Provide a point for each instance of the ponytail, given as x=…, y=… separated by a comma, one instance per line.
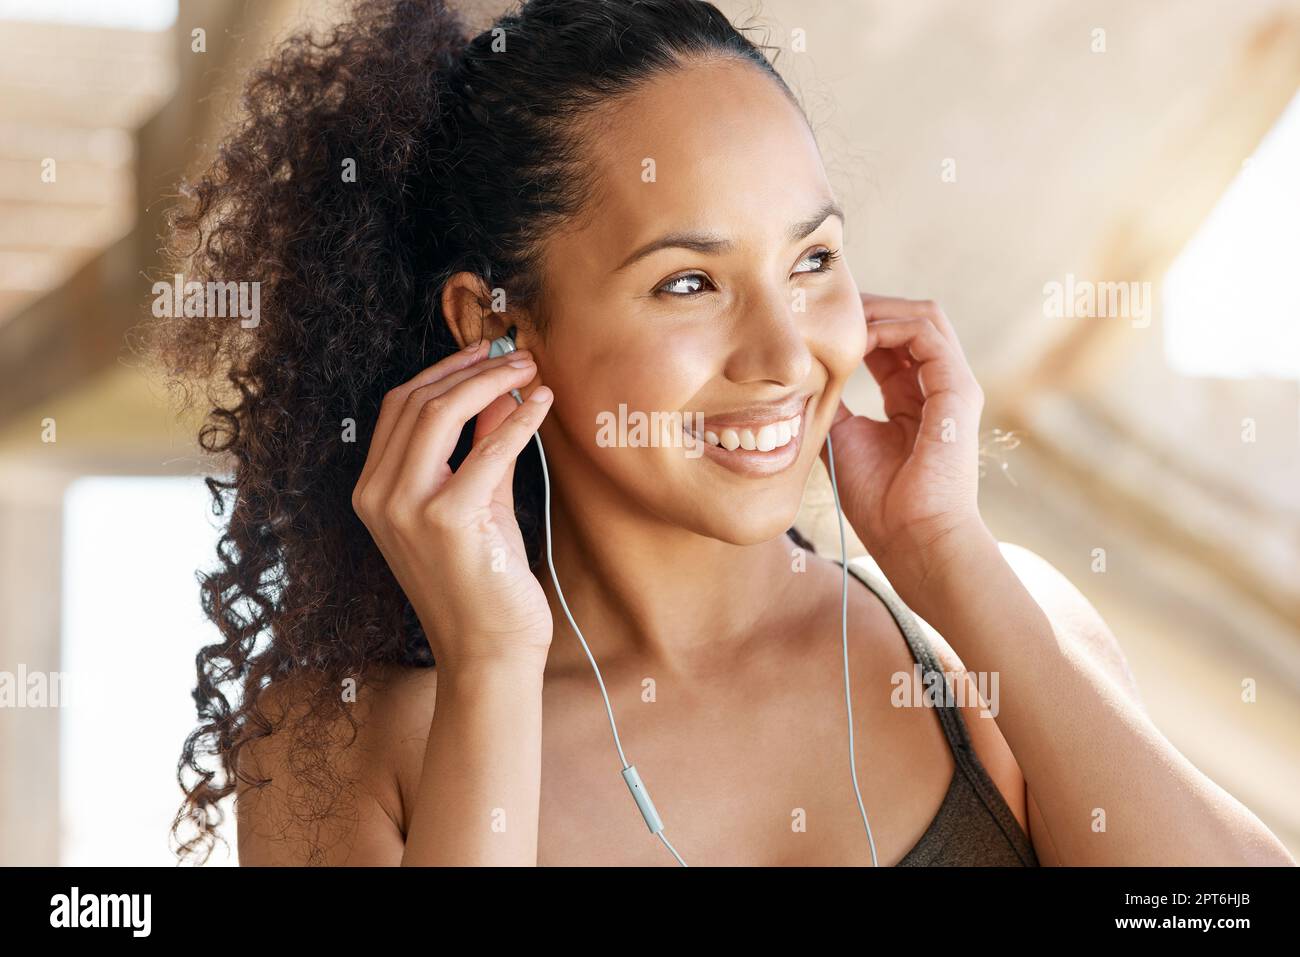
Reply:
x=368, y=167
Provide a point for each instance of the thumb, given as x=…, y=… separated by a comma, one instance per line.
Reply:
x=488, y=470
x=841, y=413
x=498, y=410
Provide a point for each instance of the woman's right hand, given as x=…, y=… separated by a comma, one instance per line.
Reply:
x=451, y=538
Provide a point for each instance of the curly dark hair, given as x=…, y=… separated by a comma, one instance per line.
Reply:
x=464, y=154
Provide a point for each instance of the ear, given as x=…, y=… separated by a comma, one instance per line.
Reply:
x=467, y=305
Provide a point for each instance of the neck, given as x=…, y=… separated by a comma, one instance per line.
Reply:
x=645, y=591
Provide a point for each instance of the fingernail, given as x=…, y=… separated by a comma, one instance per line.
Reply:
x=520, y=363
x=540, y=394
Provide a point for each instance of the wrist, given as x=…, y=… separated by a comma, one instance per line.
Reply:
x=937, y=561
x=518, y=666
x=471, y=647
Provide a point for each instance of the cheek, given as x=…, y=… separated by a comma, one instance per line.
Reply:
x=643, y=374
x=839, y=330
x=650, y=373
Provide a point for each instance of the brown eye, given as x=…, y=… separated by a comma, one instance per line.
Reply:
x=673, y=288
x=825, y=257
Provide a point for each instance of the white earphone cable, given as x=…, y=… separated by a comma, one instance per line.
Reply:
x=642, y=799
x=630, y=776
x=550, y=562
x=844, y=636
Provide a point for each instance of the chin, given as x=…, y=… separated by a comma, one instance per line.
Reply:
x=754, y=528
x=740, y=509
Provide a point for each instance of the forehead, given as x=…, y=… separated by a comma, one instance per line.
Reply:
x=715, y=145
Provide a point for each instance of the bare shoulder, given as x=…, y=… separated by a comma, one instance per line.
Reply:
x=1073, y=617
x=1076, y=622
x=322, y=786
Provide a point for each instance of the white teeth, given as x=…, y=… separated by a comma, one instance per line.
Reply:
x=772, y=436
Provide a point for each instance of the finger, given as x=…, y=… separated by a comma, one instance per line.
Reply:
x=485, y=424
x=400, y=435
x=437, y=427
x=841, y=413
x=853, y=443
x=901, y=394
x=948, y=390
x=395, y=401
x=895, y=373
x=940, y=368
x=384, y=464
x=497, y=412
x=492, y=460
x=891, y=307
x=940, y=319
x=884, y=364
x=893, y=370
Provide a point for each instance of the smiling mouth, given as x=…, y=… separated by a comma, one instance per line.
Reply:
x=756, y=442
x=764, y=438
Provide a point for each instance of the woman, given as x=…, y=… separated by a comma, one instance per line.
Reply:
x=635, y=192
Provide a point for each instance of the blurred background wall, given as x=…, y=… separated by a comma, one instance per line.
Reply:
x=1004, y=158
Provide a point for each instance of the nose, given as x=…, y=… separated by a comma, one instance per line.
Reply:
x=769, y=341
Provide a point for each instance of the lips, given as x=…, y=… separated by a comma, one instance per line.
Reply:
x=758, y=442
x=763, y=439
x=758, y=428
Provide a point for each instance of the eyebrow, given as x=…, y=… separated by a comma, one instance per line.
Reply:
x=712, y=243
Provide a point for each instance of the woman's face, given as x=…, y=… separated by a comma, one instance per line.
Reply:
x=700, y=287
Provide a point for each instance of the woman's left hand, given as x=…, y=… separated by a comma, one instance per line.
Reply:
x=908, y=485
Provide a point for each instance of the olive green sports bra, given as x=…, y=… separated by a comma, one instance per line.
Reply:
x=974, y=826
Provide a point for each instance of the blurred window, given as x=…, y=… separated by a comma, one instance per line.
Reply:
x=124, y=14
x=1232, y=297
x=132, y=625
